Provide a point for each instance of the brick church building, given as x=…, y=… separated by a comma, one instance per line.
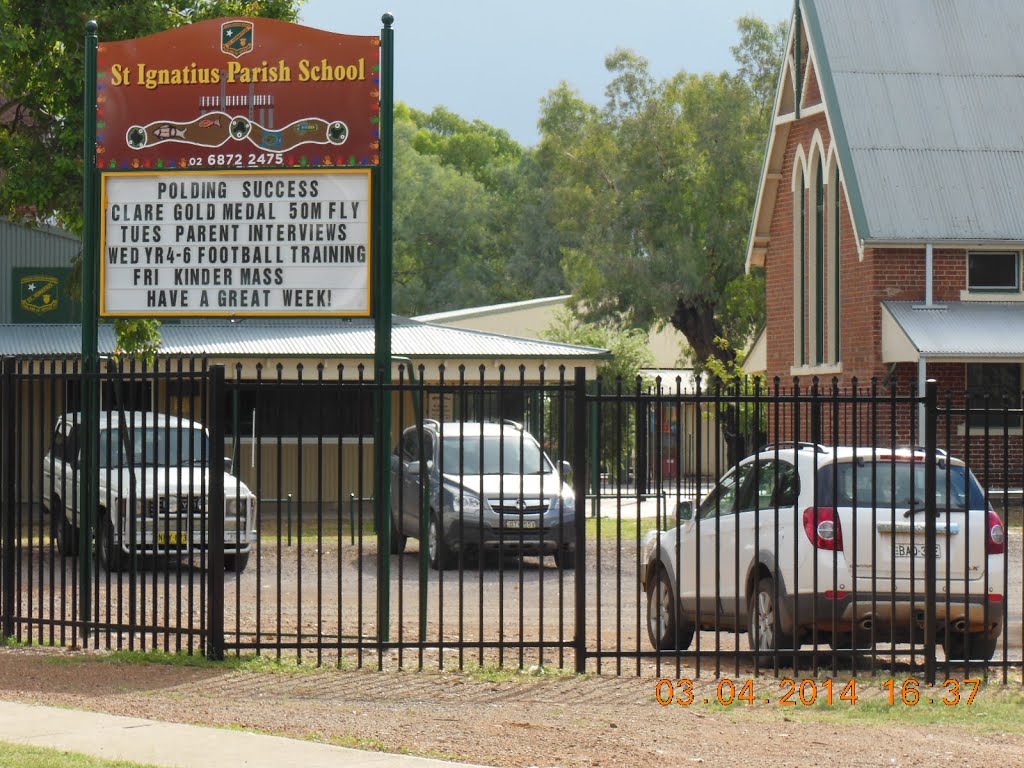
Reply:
x=890, y=214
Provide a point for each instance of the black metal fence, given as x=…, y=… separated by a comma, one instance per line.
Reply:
x=626, y=528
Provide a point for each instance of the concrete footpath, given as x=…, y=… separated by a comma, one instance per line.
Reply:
x=181, y=746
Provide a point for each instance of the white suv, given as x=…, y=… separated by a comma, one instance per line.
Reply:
x=153, y=490
x=805, y=537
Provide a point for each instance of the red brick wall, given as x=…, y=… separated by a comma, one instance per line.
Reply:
x=813, y=93
x=855, y=277
x=884, y=274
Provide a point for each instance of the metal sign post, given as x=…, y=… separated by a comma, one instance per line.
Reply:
x=382, y=328
x=89, y=485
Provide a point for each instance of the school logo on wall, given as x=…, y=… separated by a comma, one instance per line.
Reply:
x=236, y=38
x=39, y=293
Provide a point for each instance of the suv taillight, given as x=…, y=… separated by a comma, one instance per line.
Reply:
x=821, y=524
x=995, y=542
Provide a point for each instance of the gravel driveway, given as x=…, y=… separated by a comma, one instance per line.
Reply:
x=318, y=599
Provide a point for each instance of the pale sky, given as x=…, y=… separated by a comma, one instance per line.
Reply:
x=495, y=61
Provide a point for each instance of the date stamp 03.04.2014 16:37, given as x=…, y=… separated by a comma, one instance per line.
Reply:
x=809, y=692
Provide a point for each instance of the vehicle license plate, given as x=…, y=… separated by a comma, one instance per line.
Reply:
x=916, y=550
x=518, y=522
x=171, y=537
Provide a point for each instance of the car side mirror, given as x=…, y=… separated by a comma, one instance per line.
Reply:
x=684, y=512
x=566, y=468
x=229, y=465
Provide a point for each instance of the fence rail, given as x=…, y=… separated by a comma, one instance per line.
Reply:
x=590, y=526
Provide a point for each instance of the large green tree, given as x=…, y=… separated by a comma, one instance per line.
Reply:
x=443, y=231
x=655, y=191
x=41, y=76
x=472, y=223
x=42, y=120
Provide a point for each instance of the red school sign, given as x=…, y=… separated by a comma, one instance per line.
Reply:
x=238, y=93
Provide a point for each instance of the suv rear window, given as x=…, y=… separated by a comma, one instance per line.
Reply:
x=895, y=484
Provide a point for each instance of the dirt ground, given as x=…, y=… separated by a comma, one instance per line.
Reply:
x=523, y=721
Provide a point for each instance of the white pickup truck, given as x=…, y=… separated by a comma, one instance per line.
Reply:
x=154, y=485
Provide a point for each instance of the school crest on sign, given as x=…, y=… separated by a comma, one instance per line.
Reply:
x=236, y=37
x=39, y=293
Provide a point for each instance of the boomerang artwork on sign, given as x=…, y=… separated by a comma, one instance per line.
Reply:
x=241, y=93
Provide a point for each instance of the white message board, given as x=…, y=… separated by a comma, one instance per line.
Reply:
x=236, y=243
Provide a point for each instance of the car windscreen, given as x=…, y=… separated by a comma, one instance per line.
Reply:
x=153, y=446
x=509, y=454
x=899, y=484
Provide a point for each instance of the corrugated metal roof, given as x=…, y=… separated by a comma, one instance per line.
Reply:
x=492, y=309
x=929, y=96
x=42, y=247
x=297, y=338
x=962, y=329
x=671, y=379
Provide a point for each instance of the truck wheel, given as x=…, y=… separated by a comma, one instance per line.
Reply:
x=110, y=555
x=237, y=562
x=64, y=533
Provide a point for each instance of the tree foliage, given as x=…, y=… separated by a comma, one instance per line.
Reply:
x=640, y=206
x=42, y=119
x=629, y=347
x=41, y=79
x=654, y=191
x=743, y=415
x=630, y=353
x=472, y=222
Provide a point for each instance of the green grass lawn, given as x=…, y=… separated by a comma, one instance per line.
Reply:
x=18, y=756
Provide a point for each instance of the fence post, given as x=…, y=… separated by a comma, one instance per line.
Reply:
x=595, y=450
x=579, y=463
x=8, y=554
x=215, y=517
x=642, y=445
x=931, y=515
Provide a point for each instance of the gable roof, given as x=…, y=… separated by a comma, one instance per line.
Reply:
x=925, y=102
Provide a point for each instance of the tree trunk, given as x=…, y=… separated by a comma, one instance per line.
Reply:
x=695, y=319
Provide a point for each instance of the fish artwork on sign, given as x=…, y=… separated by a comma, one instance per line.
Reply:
x=168, y=131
